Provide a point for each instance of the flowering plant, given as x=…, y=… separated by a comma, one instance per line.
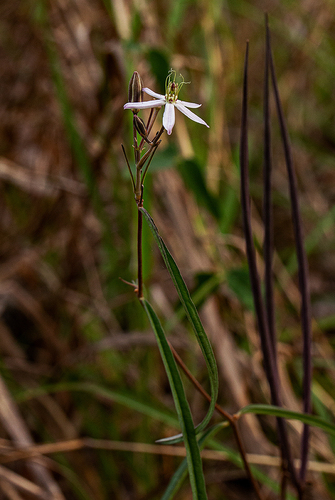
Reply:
x=170, y=101
x=142, y=161
x=135, y=102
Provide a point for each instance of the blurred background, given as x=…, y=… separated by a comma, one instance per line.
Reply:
x=78, y=359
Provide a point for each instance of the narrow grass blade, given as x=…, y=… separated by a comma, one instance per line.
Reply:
x=278, y=411
x=193, y=317
x=181, y=473
x=75, y=141
x=194, y=463
x=195, y=180
x=121, y=397
x=302, y=271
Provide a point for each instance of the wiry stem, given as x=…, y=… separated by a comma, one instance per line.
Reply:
x=139, y=248
x=267, y=205
x=147, y=157
x=269, y=360
x=268, y=232
x=303, y=276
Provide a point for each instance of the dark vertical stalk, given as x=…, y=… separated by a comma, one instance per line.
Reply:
x=140, y=162
x=269, y=360
x=303, y=275
x=139, y=201
x=139, y=253
x=268, y=225
x=267, y=204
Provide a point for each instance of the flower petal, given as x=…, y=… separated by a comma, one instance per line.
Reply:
x=189, y=113
x=188, y=104
x=144, y=105
x=153, y=94
x=169, y=117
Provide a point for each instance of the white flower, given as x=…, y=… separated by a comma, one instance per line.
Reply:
x=170, y=101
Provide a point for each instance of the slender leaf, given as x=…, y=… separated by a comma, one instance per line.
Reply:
x=143, y=407
x=121, y=397
x=184, y=414
x=277, y=411
x=181, y=473
x=193, y=317
x=195, y=180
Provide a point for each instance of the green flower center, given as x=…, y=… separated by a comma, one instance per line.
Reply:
x=172, y=88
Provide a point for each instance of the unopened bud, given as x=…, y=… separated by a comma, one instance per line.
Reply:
x=135, y=90
x=140, y=127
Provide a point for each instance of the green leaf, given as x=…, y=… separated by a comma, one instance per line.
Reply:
x=181, y=473
x=229, y=208
x=164, y=158
x=183, y=410
x=276, y=411
x=193, y=317
x=121, y=397
x=143, y=407
x=239, y=283
x=194, y=179
x=160, y=66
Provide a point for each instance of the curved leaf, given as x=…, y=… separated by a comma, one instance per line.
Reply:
x=277, y=411
x=193, y=317
x=194, y=463
x=181, y=473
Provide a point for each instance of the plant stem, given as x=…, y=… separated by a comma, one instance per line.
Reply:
x=270, y=364
x=267, y=203
x=139, y=248
x=140, y=162
x=303, y=276
x=233, y=421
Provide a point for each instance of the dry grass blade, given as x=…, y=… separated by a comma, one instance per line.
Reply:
x=23, y=484
x=17, y=429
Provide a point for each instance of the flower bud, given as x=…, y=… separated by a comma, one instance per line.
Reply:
x=135, y=90
x=140, y=127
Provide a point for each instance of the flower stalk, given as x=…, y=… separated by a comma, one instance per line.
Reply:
x=142, y=161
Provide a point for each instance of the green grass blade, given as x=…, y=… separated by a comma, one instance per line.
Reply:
x=194, y=179
x=194, y=463
x=143, y=407
x=121, y=397
x=181, y=473
x=193, y=317
x=289, y=414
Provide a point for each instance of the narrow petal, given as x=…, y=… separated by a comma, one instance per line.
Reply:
x=189, y=114
x=144, y=105
x=153, y=94
x=188, y=104
x=169, y=117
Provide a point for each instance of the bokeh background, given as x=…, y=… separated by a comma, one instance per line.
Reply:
x=78, y=359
